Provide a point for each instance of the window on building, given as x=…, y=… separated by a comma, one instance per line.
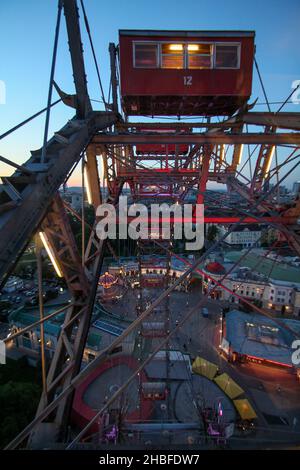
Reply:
x=227, y=56
x=199, y=56
x=192, y=56
x=172, y=56
x=146, y=55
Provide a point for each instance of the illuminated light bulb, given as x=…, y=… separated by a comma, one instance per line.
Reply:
x=87, y=185
x=240, y=153
x=193, y=47
x=270, y=161
x=176, y=47
x=50, y=253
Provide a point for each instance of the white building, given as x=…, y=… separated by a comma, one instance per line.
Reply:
x=13, y=284
x=280, y=296
x=243, y=235
x=155, y=267
x=296, y=188
x=76, y=201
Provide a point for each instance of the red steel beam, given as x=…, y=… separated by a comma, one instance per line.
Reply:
x=285, y=120
x=199, y=138
x=220, y=220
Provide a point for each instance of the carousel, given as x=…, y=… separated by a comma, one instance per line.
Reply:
x=110, y=288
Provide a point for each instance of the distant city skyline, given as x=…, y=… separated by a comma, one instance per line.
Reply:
x=28, y=33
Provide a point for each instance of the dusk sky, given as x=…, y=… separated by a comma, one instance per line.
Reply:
x=27, y=34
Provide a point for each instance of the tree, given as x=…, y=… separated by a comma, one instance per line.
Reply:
x=19, y=401
x=212, y=233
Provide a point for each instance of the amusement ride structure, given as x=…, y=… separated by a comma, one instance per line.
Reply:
x=197, y=85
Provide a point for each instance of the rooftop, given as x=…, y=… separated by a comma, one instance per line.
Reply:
x=261, y=337
x=271, y=269
x=23, y=317
x=184, y=33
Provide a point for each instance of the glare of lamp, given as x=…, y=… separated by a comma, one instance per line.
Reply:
x=50, y=253
x=87, y=185
x=240, y=153
x=269, y=161
x=176, y=47
x=193, y=47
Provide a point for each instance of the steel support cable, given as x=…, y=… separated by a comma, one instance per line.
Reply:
x=37, y=323
x=93, y=51
x=82, y=153
x=288, y=160
x=262, y=84
x=74, y=166
x=124, y=116
x=269, y=108
x=238, y=172
x=220, y=284
x=287, y=100
x=225, y=164
x=258, y=263
x=54, y=54
x=140, y=165
x=83, y=211
x=236, y=225
x=38, y=248
x=22, y=168
x=133, y=376
x=168, y=177
x=50, y=407
x=153, y=171
x=105, y=352
x=21, y=124
x=140, y=368
x=87, y=225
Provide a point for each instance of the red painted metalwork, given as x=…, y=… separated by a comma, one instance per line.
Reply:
x=82, y=413
x=220, y=220
x=149, y=87
x=162, y=149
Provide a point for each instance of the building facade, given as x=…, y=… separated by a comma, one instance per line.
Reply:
x=282, y=297
x=243, y=235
